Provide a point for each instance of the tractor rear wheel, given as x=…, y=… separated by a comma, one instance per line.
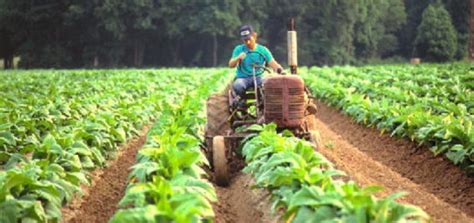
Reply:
x=219, y=158
x=217, y=114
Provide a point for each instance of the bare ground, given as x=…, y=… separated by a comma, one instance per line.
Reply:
x=241, y=204
x=368, y=157
x=100, y=200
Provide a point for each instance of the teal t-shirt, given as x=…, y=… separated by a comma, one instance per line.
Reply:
x=260, y=56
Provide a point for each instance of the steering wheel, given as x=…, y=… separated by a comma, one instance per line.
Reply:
x=253, y=59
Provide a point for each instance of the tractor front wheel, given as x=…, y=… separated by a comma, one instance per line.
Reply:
x=219, y=158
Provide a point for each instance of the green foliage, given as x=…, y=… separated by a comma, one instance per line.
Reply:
x=374, y=31
x=302, y=181
x=436, y=37
x=141, y=33
x=58, y=125
x=430, y=104
x=167, y=184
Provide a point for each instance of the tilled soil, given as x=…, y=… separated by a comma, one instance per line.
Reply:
x=371, y=158
x=100, y=200
x=240, y=204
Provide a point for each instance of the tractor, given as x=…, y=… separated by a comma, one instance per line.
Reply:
x=282, y=99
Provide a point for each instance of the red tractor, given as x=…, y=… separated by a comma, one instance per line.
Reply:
x=282, y=99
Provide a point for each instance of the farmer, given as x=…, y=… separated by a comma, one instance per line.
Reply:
x=245, y=56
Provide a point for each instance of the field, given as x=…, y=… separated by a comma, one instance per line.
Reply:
x=126, y=145
x=431, y=104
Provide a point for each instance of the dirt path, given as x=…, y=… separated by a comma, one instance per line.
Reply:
x=368, y=157
x=108, y=187
x=240, y=204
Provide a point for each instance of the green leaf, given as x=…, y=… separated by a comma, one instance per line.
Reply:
x=142, y=170
x=136, y=195
x=255, y=127
x=9, y=211
x=119, y=134
x=7, y=138
x=147, y=214
x=457, y=154
x=4, y=156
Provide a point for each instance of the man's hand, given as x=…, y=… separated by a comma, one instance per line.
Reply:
x=276, y=66
x=242, y=56
x=234, y=61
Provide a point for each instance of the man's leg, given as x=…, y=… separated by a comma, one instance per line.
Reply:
x=259, y=81
x=240, y=86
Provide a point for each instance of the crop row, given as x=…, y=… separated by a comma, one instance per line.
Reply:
x=58, y=125
x=303, y=184
x=167, y=184
x=430, y=104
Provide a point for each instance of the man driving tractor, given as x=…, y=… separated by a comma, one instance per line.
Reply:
x=282, y=99
x=247, y=56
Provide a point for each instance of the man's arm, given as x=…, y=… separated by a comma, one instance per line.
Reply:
x=275, y=66
x=235, y=60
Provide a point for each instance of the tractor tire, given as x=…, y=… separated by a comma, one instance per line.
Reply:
x=217, y=114
x=219, y=158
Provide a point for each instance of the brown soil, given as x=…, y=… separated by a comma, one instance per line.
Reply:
x=240, y=203
x=108, y=186
x=371, y=158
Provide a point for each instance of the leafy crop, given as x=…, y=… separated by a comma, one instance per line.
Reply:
x=303, y=183
x=430, y=104
x=55, y=126
x=166, y=184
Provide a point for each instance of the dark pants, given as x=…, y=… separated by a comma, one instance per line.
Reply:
x=241, y=85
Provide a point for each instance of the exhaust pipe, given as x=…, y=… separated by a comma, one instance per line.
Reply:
x=292, y=47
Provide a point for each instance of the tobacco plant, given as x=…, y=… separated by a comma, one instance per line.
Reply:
x=305, y=184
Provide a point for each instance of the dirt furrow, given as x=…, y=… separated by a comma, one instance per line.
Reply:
x=100, y=200
x=368, y=157
x=240, y=203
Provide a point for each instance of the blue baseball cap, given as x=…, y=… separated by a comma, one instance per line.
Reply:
x=245, y=32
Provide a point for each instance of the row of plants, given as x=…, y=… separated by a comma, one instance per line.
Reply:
x=306, y=188
x=59, y=125
x=36, y=103
x=444, y=92
x=168, y=183
x=430, y=104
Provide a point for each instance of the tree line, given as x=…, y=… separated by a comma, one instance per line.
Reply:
x=157, y=33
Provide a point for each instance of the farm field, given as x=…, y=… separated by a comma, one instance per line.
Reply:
x=131, y=142
x=432, y=105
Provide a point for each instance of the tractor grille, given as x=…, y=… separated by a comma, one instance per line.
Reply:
x=284, y=101
x=273, y=104
x=295, y=103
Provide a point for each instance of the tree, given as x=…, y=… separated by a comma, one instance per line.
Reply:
x=436, y=37
x=459, y=11
x=12, y=16
x=41, y=41
x=330, y=27
x=369, y=30
x=130, y=22
x=274, y=28
x=471, y=32
x=215, y=19
x=374, y=34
